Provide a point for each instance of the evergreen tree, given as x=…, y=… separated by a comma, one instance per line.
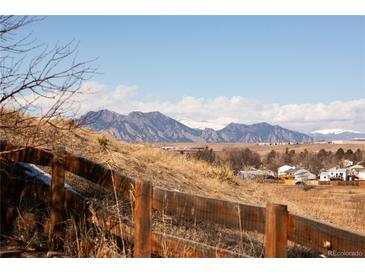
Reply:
x=340, y=153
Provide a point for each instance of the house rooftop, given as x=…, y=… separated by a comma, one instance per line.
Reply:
x=357, y=166
x=335, y=169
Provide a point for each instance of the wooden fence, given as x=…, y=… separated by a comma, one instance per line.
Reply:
x=277, y=224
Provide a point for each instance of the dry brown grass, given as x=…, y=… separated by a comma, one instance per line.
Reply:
x=82, y=240
x=263, y=150
x=339, y=205
x=343, y=206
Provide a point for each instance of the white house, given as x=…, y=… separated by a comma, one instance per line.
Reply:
x=361, y=174
x=354, y=170
x=334, y=173
x=356, y=167
x=253, y=173
x=284, y=169
x=303, y=175
x=324, y=176
x=347, y=163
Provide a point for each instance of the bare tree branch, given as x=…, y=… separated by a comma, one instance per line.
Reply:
x=36, y=78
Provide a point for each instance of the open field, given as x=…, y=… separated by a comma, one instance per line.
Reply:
x=339, y=205
x=265, y=149
x=198, y=211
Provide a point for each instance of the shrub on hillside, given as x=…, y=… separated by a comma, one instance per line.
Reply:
x=103, y=142
x=237, y=158
x=207, y=155
x=223, y=173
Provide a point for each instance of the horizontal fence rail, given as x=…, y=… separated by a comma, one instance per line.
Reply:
x=161, y=244
x=192, y=207
x=79, y=166
x=325, y=238
x=278, y=225
x=32, y=155
x=169, y=246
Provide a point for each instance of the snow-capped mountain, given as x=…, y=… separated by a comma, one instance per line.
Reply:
x=335, y=131
x=336, y=134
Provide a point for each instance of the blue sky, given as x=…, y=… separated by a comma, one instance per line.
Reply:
x=282, y=60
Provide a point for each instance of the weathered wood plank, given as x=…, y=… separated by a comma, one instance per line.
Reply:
x=32, y=155
x=37, y=186
x=4, y=194
x=88, y=170
x=167, y=245
x=11, y=253
x=80, y=166
x=99, y=174
x=316, y=235
x=5, y=146
x=192, y=207
x=56, y=230
x=325, y=238
x=276, y=242
x=143, y=220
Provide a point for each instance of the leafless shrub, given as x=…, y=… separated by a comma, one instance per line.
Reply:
x=237, y=158
x=207, y=154
x=36, y=78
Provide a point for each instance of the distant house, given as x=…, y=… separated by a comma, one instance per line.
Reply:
x=324, y=176
x=302, y=175
x=253, y=173
x=354, y=170
x=283, y=170
x=334, y=174
x=347, y=163
x=291, y=175
x=361, y=174
x=184, y=150
x=167, y=148
x=356, y=167
x=291, y=172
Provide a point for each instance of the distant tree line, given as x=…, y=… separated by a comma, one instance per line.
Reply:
x=313, y=161
x=235, y=158
x=239, y=158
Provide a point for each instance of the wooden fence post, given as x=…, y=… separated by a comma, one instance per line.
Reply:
x=142, y=220
x=276, y=231
x=56, y=229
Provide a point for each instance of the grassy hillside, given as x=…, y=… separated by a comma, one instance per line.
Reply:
x=343, y=206
x=263, y=150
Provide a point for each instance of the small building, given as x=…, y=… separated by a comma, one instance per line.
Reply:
x=253, y=173
x=361, y=174
x=283, y=170
x=353, y=171
x=184, y=150
x=356, y=167
x=324, y=176
x=347, y=163
x=302, y=175
x=334, y=174
x=295, y=175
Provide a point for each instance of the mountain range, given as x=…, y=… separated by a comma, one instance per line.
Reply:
x=336, y=134
x=157, y=127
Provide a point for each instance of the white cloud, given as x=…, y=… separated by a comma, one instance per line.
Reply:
x=122, y=92
x=219, y=111
x=95, y=96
